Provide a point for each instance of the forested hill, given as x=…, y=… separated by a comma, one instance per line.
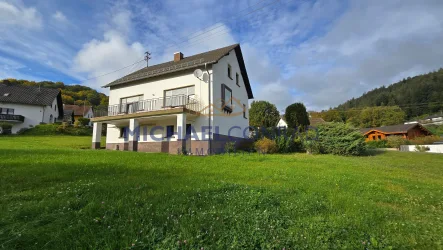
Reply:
x=71, y=94
x=416, y=96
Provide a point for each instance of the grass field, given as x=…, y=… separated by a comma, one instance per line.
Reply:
x=56, y=194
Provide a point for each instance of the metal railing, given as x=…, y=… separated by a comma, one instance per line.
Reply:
x=161, y=103
x=15, y=118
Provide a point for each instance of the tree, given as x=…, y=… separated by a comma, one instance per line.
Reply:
x=296, y=116
x=332, y=115
x=263, y=114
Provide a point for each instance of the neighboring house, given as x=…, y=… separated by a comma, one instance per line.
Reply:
x=407, y=131
x=313, y=122
x=436, y=119
x=171, y=109
x=68, y=116
x=282, y=122
x=25, y=106
x=80, y=111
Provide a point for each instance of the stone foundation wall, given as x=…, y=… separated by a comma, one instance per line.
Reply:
x=194, y=147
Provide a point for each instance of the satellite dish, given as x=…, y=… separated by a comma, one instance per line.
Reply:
x=206, y=77
x=198, y=73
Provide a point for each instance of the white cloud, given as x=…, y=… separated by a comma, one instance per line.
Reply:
x=59, y=16
x=11, y=14
x=99, y=57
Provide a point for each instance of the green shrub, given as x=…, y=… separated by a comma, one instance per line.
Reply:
x=77, y=123
x=230, y=147
x=5, y=128
x=423, y=140
x=83, y=121
x=338, y=139
x=377, y=144
x=265, y=146
x=54, y=129
x=395, y=141
x=419, y=148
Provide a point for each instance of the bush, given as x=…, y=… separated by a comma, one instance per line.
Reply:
x=395, y=141
x=21, y=131
x=377, y=144
x=423, y=140
x=419, y=148
x=54, y=129
x=266, y=146
x=230, y=147
x=338, y=139
x=77, y=124
x=84, y=121
x=5, y=128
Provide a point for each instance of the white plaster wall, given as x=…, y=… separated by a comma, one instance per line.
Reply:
x=48, y=111
x=221, y=120
x=33, y=115
x=433, y=148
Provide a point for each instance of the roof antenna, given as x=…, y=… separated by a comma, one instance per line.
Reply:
x=147, y=57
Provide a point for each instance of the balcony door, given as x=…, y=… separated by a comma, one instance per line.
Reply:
x=178, y=97
x=131, y=104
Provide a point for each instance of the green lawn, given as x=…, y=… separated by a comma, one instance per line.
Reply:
x=56, y=194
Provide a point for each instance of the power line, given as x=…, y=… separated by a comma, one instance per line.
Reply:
x=199, y=33
x=114, y=71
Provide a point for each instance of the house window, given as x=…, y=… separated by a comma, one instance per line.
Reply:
x=51, y=118
x=169, y=131
x=6, y=111
x=373, y=137
x=131, y=104
x=237, y=79
x=55, y=107
x=244, y=111
x=379, y=137
x=226, y=98
x=229, y=71
x=179, y=96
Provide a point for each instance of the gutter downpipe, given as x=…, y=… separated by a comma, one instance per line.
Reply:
x=209, y=108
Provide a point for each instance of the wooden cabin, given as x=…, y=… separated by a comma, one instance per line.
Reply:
x=407, y=131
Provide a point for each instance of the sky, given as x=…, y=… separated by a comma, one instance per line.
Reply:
x=319, y=52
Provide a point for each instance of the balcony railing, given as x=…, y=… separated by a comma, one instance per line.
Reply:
x=12, y=118
x=161, y=103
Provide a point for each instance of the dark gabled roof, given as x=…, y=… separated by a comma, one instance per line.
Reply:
x=401, y=128
x=190, y=62
x=27, y=95
x=78, y=110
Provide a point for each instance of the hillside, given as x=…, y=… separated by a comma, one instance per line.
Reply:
x=416, y=96
x=71, y=94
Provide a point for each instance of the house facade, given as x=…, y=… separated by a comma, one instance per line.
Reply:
x=407, y=131
x=168, y=108
x=25, y=107
x=78, y=112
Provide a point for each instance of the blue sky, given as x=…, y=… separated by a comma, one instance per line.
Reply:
x=320, y=52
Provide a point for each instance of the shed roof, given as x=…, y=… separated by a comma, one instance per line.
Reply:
x=400, y=128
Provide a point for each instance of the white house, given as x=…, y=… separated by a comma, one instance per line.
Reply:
x=197, y=103
x=24, y=106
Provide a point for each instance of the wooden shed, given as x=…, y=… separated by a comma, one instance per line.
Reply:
x=407, y=131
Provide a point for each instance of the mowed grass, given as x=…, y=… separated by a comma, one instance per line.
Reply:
x=54, y=194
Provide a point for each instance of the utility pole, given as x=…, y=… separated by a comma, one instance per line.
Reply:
x=147, y=57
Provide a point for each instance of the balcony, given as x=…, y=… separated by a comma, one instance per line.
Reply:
x=155, y=104
x=12, y=118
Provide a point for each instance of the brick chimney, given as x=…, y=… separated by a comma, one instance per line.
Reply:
x=178, y=56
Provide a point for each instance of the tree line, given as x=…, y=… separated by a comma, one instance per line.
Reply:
x=71, y=94
x=409, y=99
